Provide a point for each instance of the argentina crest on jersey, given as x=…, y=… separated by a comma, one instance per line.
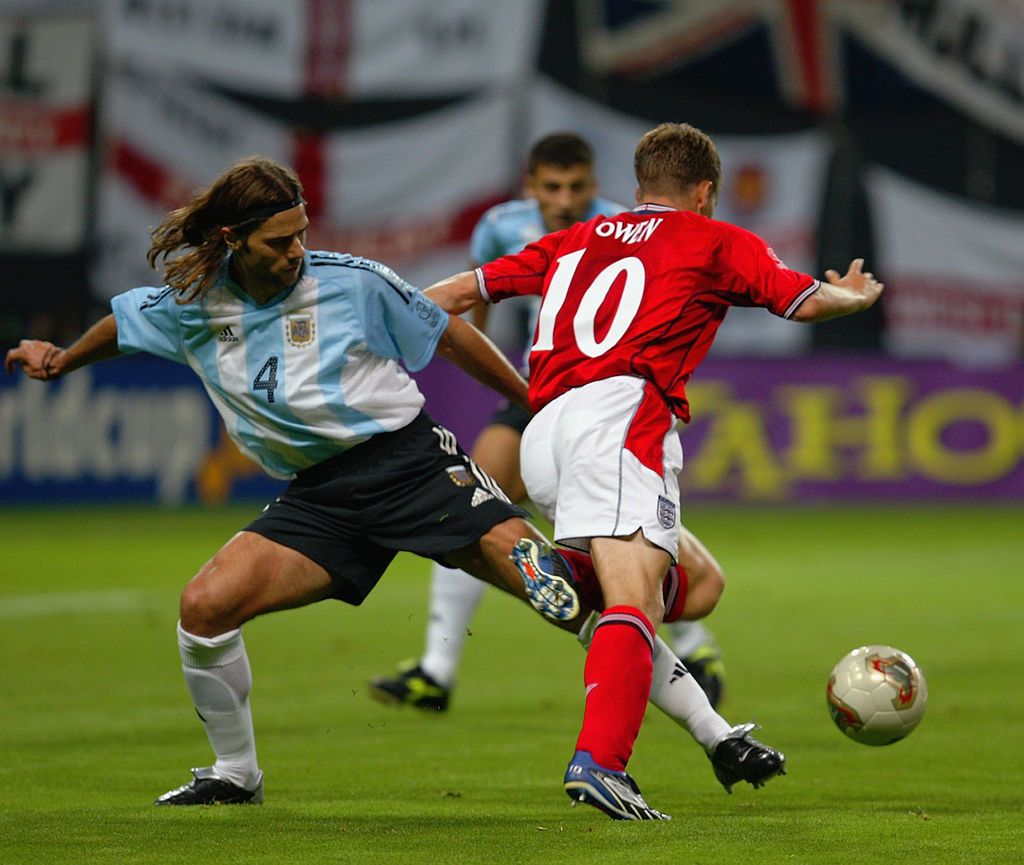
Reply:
x=300, y=329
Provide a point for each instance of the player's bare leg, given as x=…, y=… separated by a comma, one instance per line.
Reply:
x=617, y=676
x=490, y=560
x=630, y=571
x=496, y=451
x=427, y=683
x=248, y=576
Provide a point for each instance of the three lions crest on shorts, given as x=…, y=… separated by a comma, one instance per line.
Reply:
x=666, y=512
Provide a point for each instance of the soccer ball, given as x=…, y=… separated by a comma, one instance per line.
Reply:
x=877, y=695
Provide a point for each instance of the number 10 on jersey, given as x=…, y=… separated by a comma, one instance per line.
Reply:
x=583, y=321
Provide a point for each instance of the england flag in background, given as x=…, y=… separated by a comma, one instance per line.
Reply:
x=356, y=49
x=194, y=85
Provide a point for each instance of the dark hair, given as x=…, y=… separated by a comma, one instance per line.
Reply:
x=243, y=197
x=563, y=149
x=673, y=157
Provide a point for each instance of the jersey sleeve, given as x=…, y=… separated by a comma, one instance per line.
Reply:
x=148, y=320
x=758, y=276
x=521, y=273
x=399, y=320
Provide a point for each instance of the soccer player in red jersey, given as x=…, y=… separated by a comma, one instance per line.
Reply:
x=630, y=306
x=562, y=185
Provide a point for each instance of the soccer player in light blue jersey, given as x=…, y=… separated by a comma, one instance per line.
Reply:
x=562, y=190
x=300, y=352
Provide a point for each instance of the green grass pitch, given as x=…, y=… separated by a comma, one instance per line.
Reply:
x=95, y=721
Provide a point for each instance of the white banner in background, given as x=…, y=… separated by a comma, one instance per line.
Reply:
x=184, y=126
x=256, y=45
x=433, y=162
x=406, y=193
x=46, y=110
x=165, y=138
x=772, y=185
x=970, y=52
x=422, y=47
x=359, y=48
x=400, y=192
x=954, y=274
x=126, y=216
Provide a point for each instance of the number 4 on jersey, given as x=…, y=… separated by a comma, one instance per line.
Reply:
x=266, y=378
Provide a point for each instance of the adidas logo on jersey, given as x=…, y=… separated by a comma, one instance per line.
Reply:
x=480, y=495
x=227, y=335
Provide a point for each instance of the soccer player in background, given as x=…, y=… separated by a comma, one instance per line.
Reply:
x=562, y=190
x=630, y=306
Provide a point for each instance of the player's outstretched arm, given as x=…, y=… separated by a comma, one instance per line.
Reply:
x=456, y=294
x=480, y=311
x=44, y=360
x=476, y=355
x=856, y=290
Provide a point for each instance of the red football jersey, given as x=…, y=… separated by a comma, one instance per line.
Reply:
x=641, y=294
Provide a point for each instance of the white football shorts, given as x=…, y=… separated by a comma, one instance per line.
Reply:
x=603, y=460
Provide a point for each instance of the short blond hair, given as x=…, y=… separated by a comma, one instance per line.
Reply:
x=672, y=157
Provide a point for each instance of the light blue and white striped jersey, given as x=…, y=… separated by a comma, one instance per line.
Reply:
x=505, y=229
x=508, y=227
x=311, y=372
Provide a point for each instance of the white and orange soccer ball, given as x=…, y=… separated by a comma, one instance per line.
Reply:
x=877, y=695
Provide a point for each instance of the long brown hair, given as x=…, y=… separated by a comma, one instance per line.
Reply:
x=241, y=198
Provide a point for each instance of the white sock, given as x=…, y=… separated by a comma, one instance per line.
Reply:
x=687, y=637
x=681, y=698
x=218, y=677
x=454, y=597
x=675, y=693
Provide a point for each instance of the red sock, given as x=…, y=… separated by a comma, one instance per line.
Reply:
x=582, y=567
x=618, y=681
x=673, y=590
x=587, y=586
x=581, y=563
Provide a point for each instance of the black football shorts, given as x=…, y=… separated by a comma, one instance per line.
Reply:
x=414, y=490
x=511, y=415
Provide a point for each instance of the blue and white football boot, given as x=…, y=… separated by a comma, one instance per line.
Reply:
x=548, y=580
x=615, y=793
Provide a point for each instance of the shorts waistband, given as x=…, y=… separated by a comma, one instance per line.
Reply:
x=365, y=451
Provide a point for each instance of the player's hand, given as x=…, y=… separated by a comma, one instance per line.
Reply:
x=857, y=280
x=33, y=356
